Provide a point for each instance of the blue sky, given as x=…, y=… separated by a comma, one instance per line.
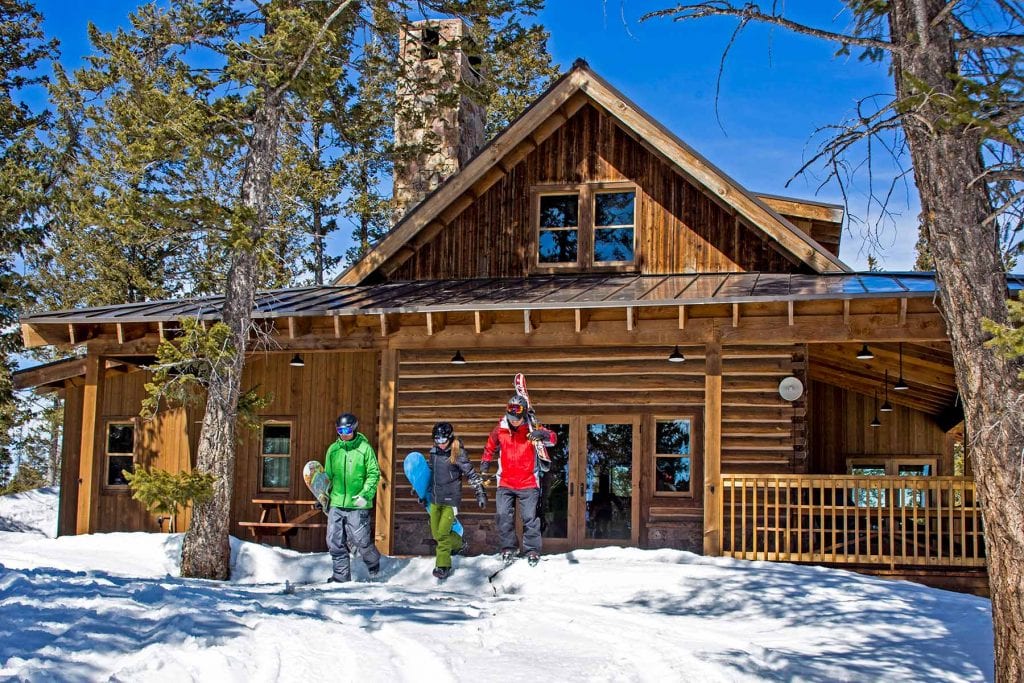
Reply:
x=777, y=89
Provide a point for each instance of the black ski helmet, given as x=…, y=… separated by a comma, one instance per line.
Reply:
x=346, y=423
x=516, y=408
x=443, y=431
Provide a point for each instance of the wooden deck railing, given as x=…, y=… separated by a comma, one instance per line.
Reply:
x=846, y=519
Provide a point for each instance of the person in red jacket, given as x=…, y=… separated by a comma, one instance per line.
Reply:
x=518, y=478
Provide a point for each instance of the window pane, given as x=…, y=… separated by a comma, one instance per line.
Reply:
x=613, y=244
x=915, y=471
x=120, y=438
x=614, y=208
x=559, y=211
x=557, y=246
x=673, y=437
x=868, y=470
x=116, y=464
x=673, y=474
x=276, y=473
x=277, y=439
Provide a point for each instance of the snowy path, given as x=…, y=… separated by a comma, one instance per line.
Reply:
x=109, y=607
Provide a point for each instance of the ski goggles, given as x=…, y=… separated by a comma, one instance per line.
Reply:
x=442, y=439
x=515, y=410
x=345, y=430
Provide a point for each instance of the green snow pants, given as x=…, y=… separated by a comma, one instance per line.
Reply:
x=442, y=517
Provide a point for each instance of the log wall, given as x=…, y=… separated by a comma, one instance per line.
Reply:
x=680, y=227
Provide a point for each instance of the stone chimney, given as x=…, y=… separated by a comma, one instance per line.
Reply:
x=439, y=61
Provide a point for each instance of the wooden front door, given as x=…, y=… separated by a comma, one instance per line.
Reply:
x=589, y=497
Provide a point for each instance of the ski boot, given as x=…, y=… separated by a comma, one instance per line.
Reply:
x=532, y=558
x=442, y=573
x=508, y=556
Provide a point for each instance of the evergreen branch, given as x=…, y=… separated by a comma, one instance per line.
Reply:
x=751, y=12
x=312, y=47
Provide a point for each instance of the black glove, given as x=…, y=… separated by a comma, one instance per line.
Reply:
x=423, y=501
x=481, y=499
x=318, y=506
x=538, y=435
x=485, y=467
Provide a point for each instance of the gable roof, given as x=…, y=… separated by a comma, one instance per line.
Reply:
x=579, y=85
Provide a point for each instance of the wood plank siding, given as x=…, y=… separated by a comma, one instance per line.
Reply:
x=680, y=227
x=309, y=398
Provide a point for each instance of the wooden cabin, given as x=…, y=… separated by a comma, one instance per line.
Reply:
x=719, y=380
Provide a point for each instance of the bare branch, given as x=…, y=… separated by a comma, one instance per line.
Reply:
x=1004, y=40
x=943, y=13
x=751, y=12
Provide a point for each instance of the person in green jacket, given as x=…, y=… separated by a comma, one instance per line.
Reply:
x=351, y=465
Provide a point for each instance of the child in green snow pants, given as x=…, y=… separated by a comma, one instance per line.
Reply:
x=442, y=517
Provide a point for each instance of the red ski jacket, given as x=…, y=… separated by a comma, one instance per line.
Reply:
x=517, y=461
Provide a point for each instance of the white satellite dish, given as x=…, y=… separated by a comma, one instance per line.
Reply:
x=791, y=388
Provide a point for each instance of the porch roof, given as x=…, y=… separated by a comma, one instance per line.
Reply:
x=550, y=292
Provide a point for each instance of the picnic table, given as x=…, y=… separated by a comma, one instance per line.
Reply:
x=275, y=519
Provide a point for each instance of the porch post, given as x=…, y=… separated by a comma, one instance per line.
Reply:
x=713, y=448
x=89, y=465
x=386, y=449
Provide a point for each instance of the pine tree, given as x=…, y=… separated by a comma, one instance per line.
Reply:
x=201, y=140
x=25, y=174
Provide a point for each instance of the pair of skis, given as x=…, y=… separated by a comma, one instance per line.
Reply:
x=541, y=451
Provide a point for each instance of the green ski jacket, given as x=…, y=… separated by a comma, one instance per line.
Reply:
x=352, y=468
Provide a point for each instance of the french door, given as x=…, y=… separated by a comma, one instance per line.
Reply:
x=589, y=496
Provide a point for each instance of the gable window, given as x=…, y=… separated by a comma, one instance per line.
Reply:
x=276, y=456
x=585, y=226
x=559, y=228
x=613, y=227
x=119, y=453
x=673, y=460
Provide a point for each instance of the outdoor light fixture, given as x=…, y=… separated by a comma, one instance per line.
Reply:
x=876, y=422
x=296, y=361
x=457, y=359
x=676, y=356
x=865, y=353
x=886, y=406
x=900, y=384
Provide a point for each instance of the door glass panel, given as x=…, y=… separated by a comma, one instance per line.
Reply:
x=554, y=487
x=609, y=481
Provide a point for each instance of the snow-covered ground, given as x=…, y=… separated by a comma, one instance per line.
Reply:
x=110, y=607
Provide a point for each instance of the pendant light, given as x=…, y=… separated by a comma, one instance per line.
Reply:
x=875, y=422
x=457, y=359
x=297, y=362
x=886, y=406
x=900, y=384
x=676, y=356
x=865, y=353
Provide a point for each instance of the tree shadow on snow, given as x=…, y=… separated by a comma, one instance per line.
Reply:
x=47, y=613
x=845, y=626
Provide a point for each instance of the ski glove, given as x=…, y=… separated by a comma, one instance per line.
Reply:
x=361, y=502
x=485, y=467
x=423, y=501
x=538, y=435
x=481, y=499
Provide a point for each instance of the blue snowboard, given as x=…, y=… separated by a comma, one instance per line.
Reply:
x=417, y=471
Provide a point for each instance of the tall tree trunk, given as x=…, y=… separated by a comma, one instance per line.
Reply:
x=207, y=552
x=53, y=461
x=971, y=274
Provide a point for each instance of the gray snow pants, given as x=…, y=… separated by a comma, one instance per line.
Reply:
x=350, y=528
x=505, y=500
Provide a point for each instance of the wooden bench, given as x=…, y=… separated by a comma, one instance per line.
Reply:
x=283, y=526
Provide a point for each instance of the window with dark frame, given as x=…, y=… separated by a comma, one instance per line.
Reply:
x=585, y=226
x=276, y=456
x=430, y=43
x=558, y=237
x=673, y=460
x=120, y=453
x=614, y=224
